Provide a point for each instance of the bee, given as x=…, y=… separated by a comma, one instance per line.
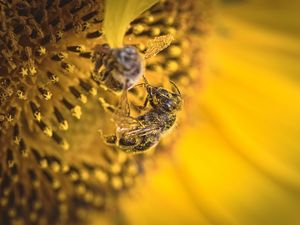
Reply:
x=141, y=133
x=120, y=69
x=117, y=68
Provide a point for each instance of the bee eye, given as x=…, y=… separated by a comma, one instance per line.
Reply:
x=168, y=105
x=164, y=93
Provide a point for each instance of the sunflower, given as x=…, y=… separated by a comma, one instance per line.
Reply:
x=234, y=160
x=55, y=167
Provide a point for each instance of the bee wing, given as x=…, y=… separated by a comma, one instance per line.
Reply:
x=128, y=127
x=125, y=124
x=122, y=114
x=143, y=131
x=158, y=44
x=123, y=108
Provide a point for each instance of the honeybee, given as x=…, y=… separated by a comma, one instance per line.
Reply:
x=121, y=68
x=138, y=134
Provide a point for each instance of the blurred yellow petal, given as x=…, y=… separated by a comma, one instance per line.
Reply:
x=239, y=161
x=118, y=15
x=253, y=95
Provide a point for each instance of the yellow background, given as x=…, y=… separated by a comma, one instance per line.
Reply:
x=238, y=158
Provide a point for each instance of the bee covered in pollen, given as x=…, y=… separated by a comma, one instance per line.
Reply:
x=141, y=133
x=117, y=68
x=120, y=69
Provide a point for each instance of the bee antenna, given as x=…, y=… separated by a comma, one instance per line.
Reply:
x=145, y=80
x=175, y=86
x=146, y=83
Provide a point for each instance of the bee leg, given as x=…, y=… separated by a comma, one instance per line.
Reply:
x=145, y=104
x=101, y=75
x=123, y=105
x=98, y=65
x=108, y=139
x=141, y=108
x=104, y=73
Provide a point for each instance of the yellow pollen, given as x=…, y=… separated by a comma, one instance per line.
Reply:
x=69, y=68
x=138, y=29
x=41, y=51
x=21, y=95
x=65, y=145
x=48, y=131
x=63, y=125
x=44, y=163
x=101, y=176
x=83, y=98
x=116, y=183
x=76, y=112
x=175, y=51
x=24, y=72
x=37, y=116
x=47, y=95
x=93, y=92
x=172, y=66
x=55, y=167
x=17, y=140
x=32, y=70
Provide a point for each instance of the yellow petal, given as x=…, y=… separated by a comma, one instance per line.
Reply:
x=118, y=15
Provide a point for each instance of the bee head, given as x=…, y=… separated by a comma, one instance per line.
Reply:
x=164, y=100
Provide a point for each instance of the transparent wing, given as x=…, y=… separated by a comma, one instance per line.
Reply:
x=122, y=116
x=158, y=44
x=123, y=109
x=125, y=124
x=142, y=131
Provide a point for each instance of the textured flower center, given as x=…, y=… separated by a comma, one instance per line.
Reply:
x=53, y=162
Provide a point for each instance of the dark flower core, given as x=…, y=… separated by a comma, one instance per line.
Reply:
x=54, y=167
